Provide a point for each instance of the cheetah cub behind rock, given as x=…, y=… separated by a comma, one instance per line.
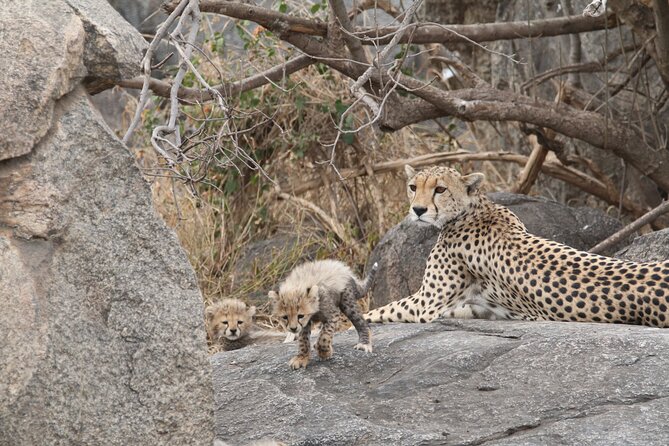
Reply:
x=230, y=326
x=316, y=292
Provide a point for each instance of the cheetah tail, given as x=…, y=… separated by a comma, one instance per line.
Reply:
x=394, y=312
x=368, y=282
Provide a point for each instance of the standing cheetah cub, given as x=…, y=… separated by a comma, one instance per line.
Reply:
x=315, y=292
x=230, y=326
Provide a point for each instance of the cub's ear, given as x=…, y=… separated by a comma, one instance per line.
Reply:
x=273, y=296
x=313, y=292
x=209, y=313
x=251, y=311
x=473, y=181
x=410, y=171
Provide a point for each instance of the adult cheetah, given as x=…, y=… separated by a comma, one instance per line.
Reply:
x=486, y=265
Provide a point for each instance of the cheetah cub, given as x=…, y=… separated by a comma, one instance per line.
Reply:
x=230, y=326
x=315, y=292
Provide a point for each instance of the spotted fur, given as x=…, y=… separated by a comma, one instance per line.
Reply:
x=319, y=292
x=486, y=265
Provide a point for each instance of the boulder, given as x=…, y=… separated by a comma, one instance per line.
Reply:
x=652, y=247
x=580, y=227
x=102, y=320
x=455, y=383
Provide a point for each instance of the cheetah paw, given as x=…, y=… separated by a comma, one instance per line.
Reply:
x=298, y=362
x=363, y=347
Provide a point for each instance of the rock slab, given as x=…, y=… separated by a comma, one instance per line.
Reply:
x=455, y=383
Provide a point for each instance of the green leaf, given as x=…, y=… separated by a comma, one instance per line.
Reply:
x=340, y=107
x=299, y=103
x=315, y=8
x=348, y=138
x=231, y=185
x=283, y=7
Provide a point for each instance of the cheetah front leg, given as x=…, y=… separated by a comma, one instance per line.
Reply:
x=350, y=308
x=302, y=358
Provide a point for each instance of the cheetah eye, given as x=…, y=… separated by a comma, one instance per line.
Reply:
x=285, y=318
x=300, y=316
x=240, y=322
x=412, y=187
x=225, y=322
x=440, y=190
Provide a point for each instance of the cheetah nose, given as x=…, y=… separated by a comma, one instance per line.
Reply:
x=419, y=210
x=233, y=331
x=293, y=329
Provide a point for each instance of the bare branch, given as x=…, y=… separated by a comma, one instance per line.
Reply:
x=197, y=95
x=661, y=12
x=421, y=33
x=146, y=67
x=625, y=232
x=353, y=44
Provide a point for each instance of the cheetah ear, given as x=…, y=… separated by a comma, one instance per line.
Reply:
x=313, y=292
x=251, y=311
x=473, y=181
x=209, y=313
x=410, y=171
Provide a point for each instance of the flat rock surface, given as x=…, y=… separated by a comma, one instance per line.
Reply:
x=455, y=383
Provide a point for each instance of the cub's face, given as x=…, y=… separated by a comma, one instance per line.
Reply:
x=229, y=318
x=439, y=195
x=294, y=309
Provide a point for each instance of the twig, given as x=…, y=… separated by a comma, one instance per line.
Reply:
x=632, y=227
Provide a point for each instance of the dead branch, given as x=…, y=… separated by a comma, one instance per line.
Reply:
x=341, y=14
x=552, y=168
x=197, y=95
x=531, y=170
x=146, y=66
x=421, y=33
x=619, y=236
x=661, y=12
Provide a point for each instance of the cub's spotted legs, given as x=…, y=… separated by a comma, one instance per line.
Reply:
x=324, y=344
x=350, y=308
x=302, y=358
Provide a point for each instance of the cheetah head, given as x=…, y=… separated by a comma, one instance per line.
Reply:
x=294, y=308
x=439, y=195
x=229, y=318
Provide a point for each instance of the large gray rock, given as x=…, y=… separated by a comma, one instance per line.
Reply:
x=653, y=247
x=455, y=383
x=102, y=321
x=51, y=46
x=113, y=48
x=43, y=43
x=581, y=228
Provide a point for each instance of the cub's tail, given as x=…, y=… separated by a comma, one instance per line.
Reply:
x=368, y=282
